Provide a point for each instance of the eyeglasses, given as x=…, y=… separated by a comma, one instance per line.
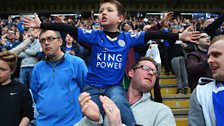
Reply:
x=146, y=68
x=205, y=36
x=11, y=32
x=49, y=39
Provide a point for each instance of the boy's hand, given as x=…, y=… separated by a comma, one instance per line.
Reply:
x=189, y=35
x=167, y=17
x=59, y=19
x=32, y=22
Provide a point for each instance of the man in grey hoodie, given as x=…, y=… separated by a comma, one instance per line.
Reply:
x=146, y=112
x=29, y=58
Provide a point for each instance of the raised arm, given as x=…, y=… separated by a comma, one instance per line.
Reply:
x=33, y=34
x=159, y=25
x=186, y=35
x=36, y=23
x=210, y=29
x=18, y=49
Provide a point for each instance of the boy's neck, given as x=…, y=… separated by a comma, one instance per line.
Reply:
x=6, y=82
x=110, y=28
x=112, y=34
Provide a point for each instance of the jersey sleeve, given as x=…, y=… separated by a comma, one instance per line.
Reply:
x=88, y=36
x=135, y=38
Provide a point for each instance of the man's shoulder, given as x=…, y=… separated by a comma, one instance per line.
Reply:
x=159, y=110
x=204, y=88
x=194, y=54
x=205, y=80
x=40, y=63
x=73, y=59
x=203, y=91
x=156, y=106
x=161, y=106
x=205, y=84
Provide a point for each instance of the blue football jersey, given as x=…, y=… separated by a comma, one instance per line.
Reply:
x=108, y=56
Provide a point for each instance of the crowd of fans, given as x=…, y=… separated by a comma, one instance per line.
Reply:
x=187, y=60
x=13, y=33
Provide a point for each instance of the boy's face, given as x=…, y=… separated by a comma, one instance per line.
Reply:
x=5, y=72
x=108, y=15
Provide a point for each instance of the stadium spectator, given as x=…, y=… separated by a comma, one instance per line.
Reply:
x=178, y=64
x=29, y=58
x=56, y=83
x=206, y=102
x=16, y=101
x=143, y=76
x=197, y=64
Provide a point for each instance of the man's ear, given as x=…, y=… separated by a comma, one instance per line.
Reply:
x=130, y=73
x=197, y=42
x=61, y=41
x=121, y=18
x=12, y=71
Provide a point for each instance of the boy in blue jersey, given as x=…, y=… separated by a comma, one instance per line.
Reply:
x=109, y=51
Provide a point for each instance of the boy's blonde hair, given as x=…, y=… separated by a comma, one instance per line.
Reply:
x=10, y=58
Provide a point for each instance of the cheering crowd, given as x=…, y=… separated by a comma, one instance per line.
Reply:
x=65, y=71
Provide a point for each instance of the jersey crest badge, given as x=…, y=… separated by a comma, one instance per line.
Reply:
x=121, y=43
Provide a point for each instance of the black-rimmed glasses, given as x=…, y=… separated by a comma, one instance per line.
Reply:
x=49, y=39
x=146, y=68
x=205, y=36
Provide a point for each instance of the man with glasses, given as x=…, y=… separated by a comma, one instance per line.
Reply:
x=146, y=112
x=56, y=83
x=9, y=42
x=197, y=65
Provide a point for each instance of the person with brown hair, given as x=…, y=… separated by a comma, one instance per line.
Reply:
x=143, y=77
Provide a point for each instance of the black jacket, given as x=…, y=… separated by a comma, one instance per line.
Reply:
x=16, y=103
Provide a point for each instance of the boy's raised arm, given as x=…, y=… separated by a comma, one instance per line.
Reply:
x=36, y=23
